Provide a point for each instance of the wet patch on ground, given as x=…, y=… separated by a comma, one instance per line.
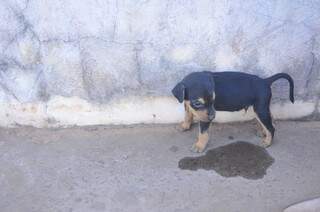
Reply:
x=174, y=149
x=236, y=159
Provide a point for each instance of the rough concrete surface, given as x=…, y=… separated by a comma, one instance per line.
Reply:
x=136, y=169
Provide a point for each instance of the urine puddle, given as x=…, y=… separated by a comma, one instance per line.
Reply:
x=236, y=159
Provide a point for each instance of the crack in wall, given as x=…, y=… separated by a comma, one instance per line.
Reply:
x=310, y=72
x=138, y=48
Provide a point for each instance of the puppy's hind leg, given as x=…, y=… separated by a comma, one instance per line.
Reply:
x=188, y=117
x=264, y=118
x=260, y=132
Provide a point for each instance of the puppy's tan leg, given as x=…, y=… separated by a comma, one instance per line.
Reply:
x=188, y=117
x=203, y=137
x=260, y=130
x=268, y=136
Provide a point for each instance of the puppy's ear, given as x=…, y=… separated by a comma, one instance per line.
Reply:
x=179, y=91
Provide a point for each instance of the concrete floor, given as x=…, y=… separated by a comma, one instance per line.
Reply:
x=136, y=169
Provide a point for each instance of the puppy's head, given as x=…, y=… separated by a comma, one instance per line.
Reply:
x=198, y=91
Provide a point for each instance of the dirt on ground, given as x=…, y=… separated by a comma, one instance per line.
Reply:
x=150, y=168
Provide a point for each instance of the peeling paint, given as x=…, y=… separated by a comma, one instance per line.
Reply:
x=30, y=114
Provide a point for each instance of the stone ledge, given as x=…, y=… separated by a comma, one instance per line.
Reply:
x=65, y=112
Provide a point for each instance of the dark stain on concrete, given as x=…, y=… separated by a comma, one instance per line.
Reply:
x=174, y=149
x=236, y=159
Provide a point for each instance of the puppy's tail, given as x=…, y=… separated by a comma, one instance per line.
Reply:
x=275, y=77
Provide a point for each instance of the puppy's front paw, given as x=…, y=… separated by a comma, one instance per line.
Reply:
x=260, y=134
x=197, y=147
x=266, y=144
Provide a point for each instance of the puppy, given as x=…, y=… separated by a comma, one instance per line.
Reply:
x=204, y=93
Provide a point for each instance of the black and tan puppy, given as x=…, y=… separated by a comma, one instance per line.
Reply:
x=206, y=92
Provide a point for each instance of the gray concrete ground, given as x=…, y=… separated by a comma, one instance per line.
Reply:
x=136, y=169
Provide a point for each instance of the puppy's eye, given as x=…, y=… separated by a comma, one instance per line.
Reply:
x=197, y=105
